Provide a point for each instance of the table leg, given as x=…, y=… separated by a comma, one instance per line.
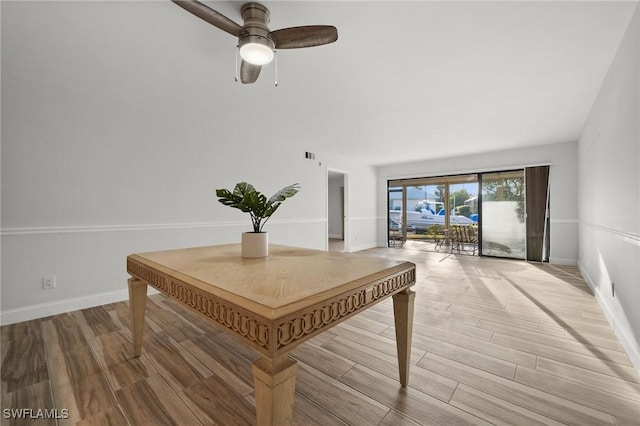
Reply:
x=275, y=385
x=137, y=305
x=403, y=315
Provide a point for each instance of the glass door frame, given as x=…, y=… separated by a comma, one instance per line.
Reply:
x=445, y=181
x=481, y=215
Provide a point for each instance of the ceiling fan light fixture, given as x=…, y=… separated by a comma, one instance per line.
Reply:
x=256, y=49
x=256, y=43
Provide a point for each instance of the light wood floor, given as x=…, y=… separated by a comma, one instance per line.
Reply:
x=336, y=245
x=495, y=342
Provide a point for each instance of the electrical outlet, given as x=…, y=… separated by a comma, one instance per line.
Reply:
x=49, y=283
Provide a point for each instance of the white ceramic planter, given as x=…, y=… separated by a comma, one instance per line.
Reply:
x=255, y=244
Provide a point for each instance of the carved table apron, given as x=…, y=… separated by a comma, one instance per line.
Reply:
x=275, y=303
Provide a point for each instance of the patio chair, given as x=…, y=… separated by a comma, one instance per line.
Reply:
x=464, y=238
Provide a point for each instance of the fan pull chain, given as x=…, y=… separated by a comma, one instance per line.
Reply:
x=237, y=50
x=275, y=53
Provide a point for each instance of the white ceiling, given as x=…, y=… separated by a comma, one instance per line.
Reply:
x=405, y=80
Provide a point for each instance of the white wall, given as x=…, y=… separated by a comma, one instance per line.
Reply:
x=90, y=175
x=562, y=181
x=144, y=185
x=609, y=193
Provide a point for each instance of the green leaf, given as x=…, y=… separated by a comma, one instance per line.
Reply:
x=284, y=193
x=228, y=199
x=245, y=198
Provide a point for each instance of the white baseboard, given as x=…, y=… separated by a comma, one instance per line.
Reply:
x=563, y=261
x=363, y=247
x=623, y=334
x=28, y=313
x=335, y=236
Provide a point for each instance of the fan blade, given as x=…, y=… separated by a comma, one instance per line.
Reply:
x=211, y=16
x=249, y=73
x=297, y=37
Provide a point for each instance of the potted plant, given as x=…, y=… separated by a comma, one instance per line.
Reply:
x=247, y=199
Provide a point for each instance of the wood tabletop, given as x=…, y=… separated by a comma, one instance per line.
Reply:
x=288, y=280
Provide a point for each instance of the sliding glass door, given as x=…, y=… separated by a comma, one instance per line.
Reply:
x=512, y=222
x=423, y=209
x=502, y=214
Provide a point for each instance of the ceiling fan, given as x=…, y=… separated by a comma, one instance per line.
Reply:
x=255, y=40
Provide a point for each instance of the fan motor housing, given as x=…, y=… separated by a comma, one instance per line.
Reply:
x=255, y=11
x=256, y=20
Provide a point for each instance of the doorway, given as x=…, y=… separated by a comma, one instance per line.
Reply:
x=337, y=210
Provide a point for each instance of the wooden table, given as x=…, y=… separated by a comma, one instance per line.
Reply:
x=273, y=304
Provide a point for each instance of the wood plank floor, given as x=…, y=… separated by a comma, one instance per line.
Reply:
x=495, y=342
